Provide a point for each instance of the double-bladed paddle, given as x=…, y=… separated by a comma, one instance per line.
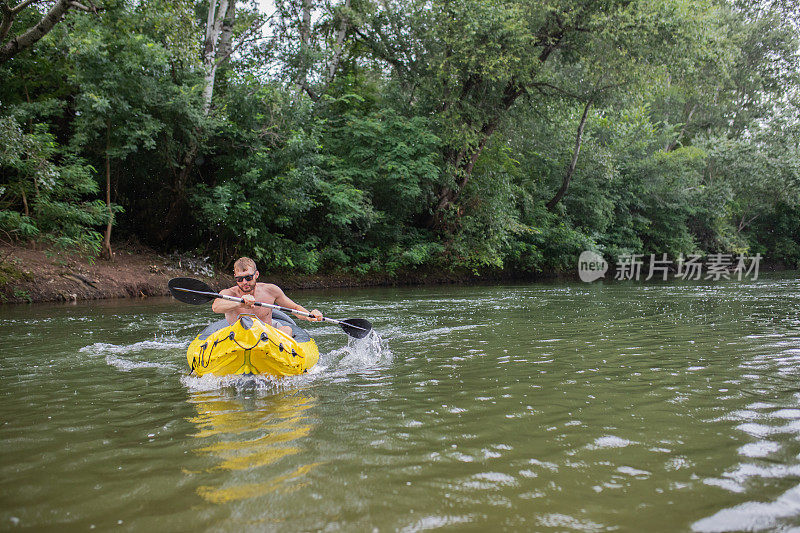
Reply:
x=193, y=291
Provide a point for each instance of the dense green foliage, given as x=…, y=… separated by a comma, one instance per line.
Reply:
x=391, y=136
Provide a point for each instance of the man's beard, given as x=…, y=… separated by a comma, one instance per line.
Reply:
x=251, y=292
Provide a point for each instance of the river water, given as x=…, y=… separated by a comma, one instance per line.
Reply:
x=546, y=407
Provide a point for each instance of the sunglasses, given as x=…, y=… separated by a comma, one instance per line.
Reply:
x=239, y=279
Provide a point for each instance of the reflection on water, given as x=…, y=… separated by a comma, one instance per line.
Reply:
x=246, y=432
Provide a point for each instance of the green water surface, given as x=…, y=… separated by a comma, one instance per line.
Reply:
x=546, y=407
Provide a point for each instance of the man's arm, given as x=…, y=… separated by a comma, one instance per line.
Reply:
x=284, y=301
x=223, y=306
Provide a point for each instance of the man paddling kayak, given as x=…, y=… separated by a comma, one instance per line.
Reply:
x=248, y=289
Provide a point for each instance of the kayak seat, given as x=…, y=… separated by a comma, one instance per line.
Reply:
x=298, y=333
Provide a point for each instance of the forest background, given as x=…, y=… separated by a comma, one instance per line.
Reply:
x=403, y=136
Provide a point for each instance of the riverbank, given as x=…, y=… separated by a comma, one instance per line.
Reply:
x=33, y=273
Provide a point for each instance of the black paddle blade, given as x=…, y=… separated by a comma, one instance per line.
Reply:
x=179, y=288
x=356, y=327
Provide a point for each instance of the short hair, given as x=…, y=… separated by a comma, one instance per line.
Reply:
x=243, y=263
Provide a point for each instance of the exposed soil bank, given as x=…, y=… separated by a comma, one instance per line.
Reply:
x=35, y=274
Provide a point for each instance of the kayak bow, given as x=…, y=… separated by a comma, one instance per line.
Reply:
x=249, y=346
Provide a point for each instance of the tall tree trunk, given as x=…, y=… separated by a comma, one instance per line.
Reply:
x=178, y=190
x=463, y=161
x=225, y=48
x=216, y=14
x=305, y=29
x=36, y=194
x=25, y=202
x=513, y=90
x=339, y=46
x=305, y=46
x=107, y=252
x=218, y=35
x=573, y=162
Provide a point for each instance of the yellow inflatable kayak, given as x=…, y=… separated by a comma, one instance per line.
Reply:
x=249, y=346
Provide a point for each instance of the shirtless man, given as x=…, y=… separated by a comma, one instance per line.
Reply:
x=248, y=289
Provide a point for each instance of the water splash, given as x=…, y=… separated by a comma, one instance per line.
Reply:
x=368, y=352
x=101, y=348
x=114, y=354
x=126, y=365
x=258, y=384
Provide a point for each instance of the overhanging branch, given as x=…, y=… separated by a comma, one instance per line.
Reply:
x=32, y=35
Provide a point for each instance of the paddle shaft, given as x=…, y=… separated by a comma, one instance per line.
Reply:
x=272, y=306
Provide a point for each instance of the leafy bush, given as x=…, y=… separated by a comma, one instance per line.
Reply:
x=49, y=184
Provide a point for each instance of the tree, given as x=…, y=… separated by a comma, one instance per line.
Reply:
x=221, y=39
x=749, y=65
x=313, y=42
x=120, y=79
x=468, y=63
x=55, y=197
x=25, y=40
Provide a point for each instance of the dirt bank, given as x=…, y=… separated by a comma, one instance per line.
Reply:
x=33, y=273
